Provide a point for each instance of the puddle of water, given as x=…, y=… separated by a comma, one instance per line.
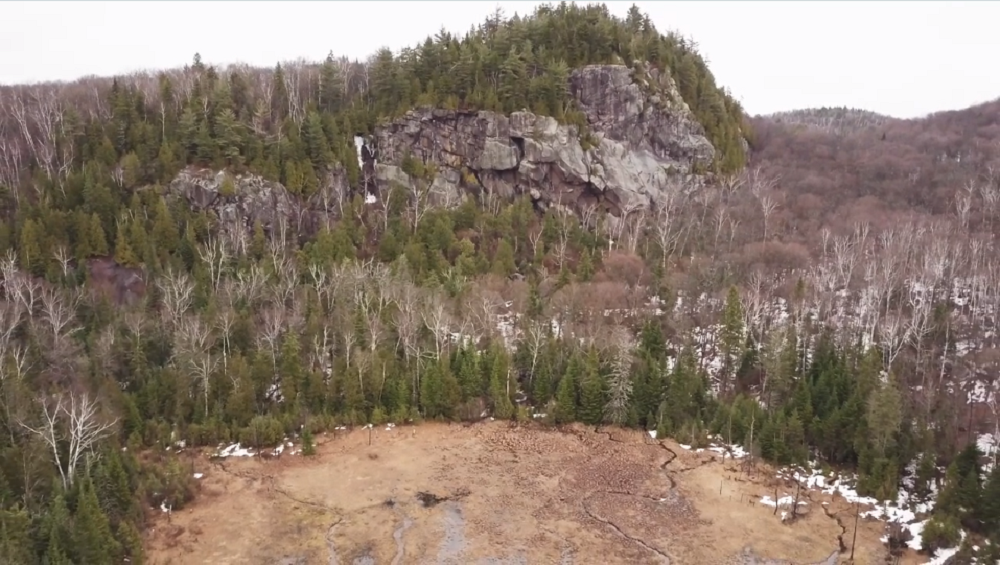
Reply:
x=750, y=558
x=515, y=560
x=453, y=543
x=398, y=536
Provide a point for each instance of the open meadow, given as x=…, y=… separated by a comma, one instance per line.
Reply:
x=493, y=494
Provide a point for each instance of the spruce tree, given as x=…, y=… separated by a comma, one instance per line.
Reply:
x=114, y=489
x=57, y=526
x=308, y=443
x=503, y=408
x=124, y=255
x=15, y=537
x=565, y=399
x=131, y=542
x=592, y=392
x=92, y=539
x=732, y=338
x=541, y=381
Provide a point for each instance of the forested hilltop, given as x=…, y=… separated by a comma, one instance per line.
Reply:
x=133, y=324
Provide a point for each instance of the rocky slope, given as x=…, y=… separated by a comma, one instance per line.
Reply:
x=255, y=199
x=641, y=141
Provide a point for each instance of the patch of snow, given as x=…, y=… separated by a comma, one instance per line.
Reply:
x=273, y=393
x=198, y=475
x=783, y=501
x=942, y=556
x=359, y=143
x=652, y=434
x=235, y=450
x=988, y=445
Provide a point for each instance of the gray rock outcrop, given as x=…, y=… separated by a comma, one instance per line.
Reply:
x=255, y=199
x=642, y=140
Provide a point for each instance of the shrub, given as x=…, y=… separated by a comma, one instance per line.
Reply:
x=308, y=447
x=939, y=533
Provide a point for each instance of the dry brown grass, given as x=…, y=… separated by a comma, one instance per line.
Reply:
x=514, y=495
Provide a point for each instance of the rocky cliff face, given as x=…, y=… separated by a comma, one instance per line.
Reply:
x=641, y=141
x=254, y=199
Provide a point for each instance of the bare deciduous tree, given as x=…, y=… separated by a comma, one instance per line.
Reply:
x=177, y=290
x=893, y=335
x=73, y=421
x=194, y=343
x=767, y=207
x=437, y=319
x=215, y=255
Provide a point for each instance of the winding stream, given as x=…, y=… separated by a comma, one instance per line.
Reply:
x=397, y=535
x=663, y=555
x=748, y=557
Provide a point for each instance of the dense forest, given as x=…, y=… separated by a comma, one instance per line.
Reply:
x=387, y=315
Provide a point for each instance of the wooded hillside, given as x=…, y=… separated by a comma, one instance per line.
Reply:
x=131, y=323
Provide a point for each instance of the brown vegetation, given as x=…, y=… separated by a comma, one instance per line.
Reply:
x=469, y=493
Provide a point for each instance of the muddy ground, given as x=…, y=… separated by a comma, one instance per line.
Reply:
x=493, y=494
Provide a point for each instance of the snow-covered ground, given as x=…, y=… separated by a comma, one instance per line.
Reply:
x=907, y=510
x=236, y=450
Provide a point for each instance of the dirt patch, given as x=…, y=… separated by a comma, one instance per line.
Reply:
x=490, y=494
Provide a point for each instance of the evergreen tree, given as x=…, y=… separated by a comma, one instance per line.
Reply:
x=503, y=408
x=308, y=444
x=92, y=539
x=131, y=542
x=884, y=414
x=503, y=260
x=541, y=382
x=57, y=528
x=566, y=393
x=114, y=488
x=732, y=338
x=124, y=255
x=30, y=246
x=15, y=537
x=331, y=85
x=592, y=392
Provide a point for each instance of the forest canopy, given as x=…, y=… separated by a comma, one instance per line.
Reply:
x=290, y=122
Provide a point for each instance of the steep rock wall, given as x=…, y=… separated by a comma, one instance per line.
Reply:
x=255, y=199
x=642, y=141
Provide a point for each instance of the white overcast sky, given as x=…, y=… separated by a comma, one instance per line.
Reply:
x=904, y=59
